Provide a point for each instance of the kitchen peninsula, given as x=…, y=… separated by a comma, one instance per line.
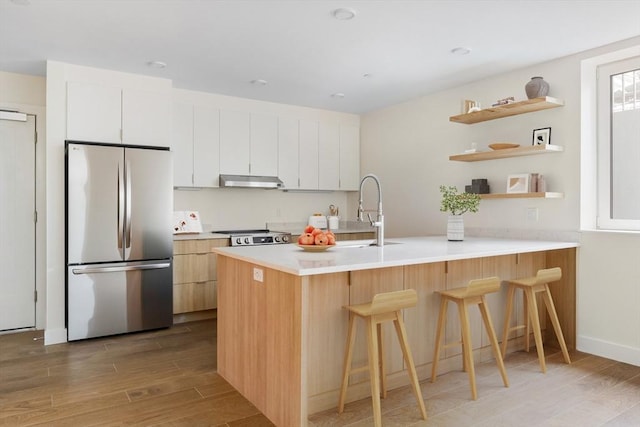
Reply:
x=282, y=329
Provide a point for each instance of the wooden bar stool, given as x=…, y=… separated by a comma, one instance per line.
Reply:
x=474, y=293
x=530, y=287
x=383, y=308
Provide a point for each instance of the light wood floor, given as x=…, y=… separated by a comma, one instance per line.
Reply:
x=168, y=377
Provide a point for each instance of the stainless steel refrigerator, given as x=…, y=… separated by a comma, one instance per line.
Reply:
x=119, y=203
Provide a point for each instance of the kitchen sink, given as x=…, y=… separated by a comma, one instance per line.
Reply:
x=360, y=244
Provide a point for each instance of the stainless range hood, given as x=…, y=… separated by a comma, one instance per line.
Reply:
x=250, y=181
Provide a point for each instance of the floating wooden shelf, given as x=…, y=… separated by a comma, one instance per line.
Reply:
x=513, y=109
x=547, y=195
x=507, y=152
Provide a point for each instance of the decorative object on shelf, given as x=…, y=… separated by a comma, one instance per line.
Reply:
x=504, y=101
x=536, y=87
x=502, y=145
x=541, y=185
x=457, y=204
x=541, y=136
x=518, y=183
x=478, y=186
x=469, y=105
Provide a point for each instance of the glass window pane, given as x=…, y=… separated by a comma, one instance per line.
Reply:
x=625, y=146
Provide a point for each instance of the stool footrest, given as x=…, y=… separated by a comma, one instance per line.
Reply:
x=452, y=344
x=358, y=370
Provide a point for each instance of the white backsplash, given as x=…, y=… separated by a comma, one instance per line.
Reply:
x=232, y=208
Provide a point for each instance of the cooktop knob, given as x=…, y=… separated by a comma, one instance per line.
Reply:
x=247, y=240
x=285, y=239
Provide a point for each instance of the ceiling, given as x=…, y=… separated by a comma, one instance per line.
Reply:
x=391, y=51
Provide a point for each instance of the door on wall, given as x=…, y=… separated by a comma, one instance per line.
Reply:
x=17, y=221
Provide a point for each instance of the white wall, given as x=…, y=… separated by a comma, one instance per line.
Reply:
x=407, y=146
x=27, y=95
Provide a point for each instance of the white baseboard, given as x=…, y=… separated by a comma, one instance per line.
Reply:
x=55, y=336
x=620, y=353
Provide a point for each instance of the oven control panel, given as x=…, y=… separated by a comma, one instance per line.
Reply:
x=270, y=238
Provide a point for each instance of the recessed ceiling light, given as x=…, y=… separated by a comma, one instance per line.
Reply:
x=344, y=14
x=461, y=51
x=337, y=95
x=259, y=82
x=157, y=64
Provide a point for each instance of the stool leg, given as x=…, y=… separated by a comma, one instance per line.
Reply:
x=486, y=317
x=507, y=319
x=372, y=341
x=406, y=352
x=383, y=373
x=551, y=309
x=440, y=327
x=527, y=320
x=347, y=362
x=467, y=347
x=532, y=307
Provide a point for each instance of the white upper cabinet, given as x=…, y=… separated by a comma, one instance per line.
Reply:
x=206, y=147
x=195, y=146
x=146, y=117
x=329, y=156
x=94, y=113
x=264, y=145
x=99, y=113
x=182, y=145
x=308, y=155
x=349, y=157
x=288, y=152
x=235, y=142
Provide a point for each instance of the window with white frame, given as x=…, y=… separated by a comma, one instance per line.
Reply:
x=618, y=153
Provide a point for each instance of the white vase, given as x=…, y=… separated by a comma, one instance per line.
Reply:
x=455, y=228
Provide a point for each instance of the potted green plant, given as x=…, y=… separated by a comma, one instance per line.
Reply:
x=457, y=204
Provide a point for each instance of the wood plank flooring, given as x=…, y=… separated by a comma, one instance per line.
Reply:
x=168, y=378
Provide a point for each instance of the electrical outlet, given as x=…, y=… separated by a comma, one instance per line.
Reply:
x=258, y=274
x=532, y=214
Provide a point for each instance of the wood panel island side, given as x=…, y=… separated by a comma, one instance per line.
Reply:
x=282, y=328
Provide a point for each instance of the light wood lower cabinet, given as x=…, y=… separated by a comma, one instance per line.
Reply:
x=194, y=274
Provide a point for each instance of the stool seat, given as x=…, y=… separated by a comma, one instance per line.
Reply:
x=473, y=294
x=530, y=286
x=384, y=307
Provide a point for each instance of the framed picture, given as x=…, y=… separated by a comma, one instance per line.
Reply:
x=518, y=183
x=541, y=136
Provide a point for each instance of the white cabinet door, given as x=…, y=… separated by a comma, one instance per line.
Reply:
x=329, y=157
x=93, y=113
x=206, y=147
x=235, y=139
x=349, y=158
x=264, y=145
x=308, y=155
x=146, y=117
x=288, y=152
x=182, y=145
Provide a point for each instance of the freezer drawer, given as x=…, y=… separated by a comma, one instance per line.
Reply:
x=115, y=298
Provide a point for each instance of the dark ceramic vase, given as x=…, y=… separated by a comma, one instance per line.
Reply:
x=536, y=88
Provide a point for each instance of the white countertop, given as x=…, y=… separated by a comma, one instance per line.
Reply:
x=407, y=251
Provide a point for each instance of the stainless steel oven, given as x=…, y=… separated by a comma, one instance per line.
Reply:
x=256, y=237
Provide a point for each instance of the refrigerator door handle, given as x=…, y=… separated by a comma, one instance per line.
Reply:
x=120, y=206
x=91, y=270
x=127, y=237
